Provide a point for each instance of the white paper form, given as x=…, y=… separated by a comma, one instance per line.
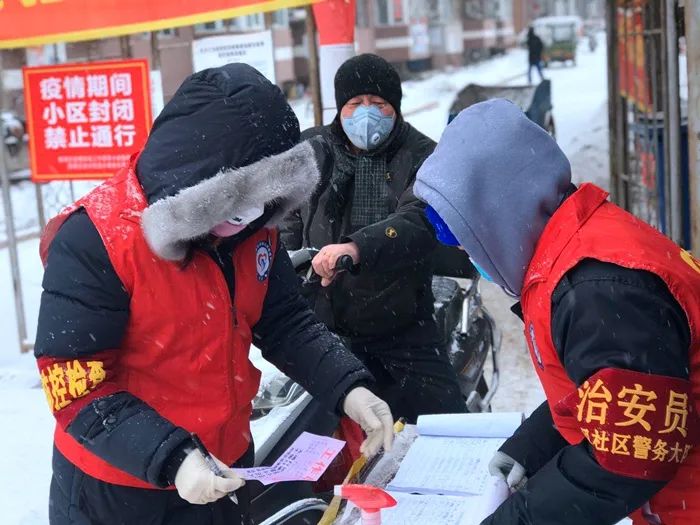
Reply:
x=497, y=492
x=427, y=509
x=446, y=465
x=486, y=425
x=442, y=510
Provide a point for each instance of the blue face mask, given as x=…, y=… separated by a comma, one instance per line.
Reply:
x=445, y=236
x=481, y=271
x=368, y=127
x=442, y=230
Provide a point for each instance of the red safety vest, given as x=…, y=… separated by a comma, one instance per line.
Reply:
x=587, y=226
x=185, y=351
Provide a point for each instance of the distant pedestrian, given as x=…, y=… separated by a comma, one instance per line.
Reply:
x=534, y=51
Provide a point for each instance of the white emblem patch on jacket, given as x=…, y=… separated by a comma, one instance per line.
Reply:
x=535, y=348
x=263, y=260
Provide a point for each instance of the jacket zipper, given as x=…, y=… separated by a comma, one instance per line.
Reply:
x=231, y=324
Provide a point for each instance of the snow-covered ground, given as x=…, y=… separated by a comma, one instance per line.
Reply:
x=579, y=97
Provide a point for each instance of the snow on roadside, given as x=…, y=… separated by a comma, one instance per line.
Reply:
x=56, y=195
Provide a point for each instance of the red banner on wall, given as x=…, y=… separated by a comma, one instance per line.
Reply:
x=35, y=22
x=633, y=76
x=336, y=22
x=85, y=120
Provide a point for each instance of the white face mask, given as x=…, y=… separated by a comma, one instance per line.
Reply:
x=247, y=216
x=238, y=223
x=368, y=127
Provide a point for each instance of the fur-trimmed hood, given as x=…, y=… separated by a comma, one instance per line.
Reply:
x=285, y=181
x=221, y=118
x=221, y=144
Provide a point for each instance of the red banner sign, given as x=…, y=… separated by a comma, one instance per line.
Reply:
x=633, y=77
x=85, y=120
x=35, y=22
x=336, y=22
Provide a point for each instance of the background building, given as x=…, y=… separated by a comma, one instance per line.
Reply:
x=414, y=35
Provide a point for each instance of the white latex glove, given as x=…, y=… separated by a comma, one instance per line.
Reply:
x=197, y=484
x=509, y=470
x=374, y=416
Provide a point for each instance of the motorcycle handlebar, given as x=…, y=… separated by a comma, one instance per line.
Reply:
x=345, y=264
x=300, y=258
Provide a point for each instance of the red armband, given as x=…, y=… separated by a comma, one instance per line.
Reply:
x=639, y=425
x=71, y=384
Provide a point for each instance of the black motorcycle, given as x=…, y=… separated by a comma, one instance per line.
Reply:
x=469, y=334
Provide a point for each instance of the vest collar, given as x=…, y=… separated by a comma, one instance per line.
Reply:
x=135, y=200
x=566, y=221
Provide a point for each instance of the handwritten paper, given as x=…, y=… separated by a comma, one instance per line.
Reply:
x=446, y=465
x=497, y=491
x=305, y=460
x=427, y=509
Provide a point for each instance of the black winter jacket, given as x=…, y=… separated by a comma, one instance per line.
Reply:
x=85, y=309
x=647, y=332
x=534, y=49
x=393, y=287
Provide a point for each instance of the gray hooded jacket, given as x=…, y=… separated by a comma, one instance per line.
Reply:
x=495, y=178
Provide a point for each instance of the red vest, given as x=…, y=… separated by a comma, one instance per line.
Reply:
x=185, y=351
x=587, y=226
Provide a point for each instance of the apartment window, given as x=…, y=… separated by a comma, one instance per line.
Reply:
x=296, y=14
x=248, y=22
x=210, y=27
x=474, y=9
x=391, y=12
x=361, y=14
x=504, y=11
x=163, y=33
x=440, y=11
x=280, y=18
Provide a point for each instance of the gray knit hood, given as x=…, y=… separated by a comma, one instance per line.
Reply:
x=495, y=178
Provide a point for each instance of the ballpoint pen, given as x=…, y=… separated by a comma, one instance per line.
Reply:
x=211, y=463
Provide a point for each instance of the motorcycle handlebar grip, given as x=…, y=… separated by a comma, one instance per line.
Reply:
x=345, y=264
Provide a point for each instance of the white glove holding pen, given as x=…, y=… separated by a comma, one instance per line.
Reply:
x=197, y=484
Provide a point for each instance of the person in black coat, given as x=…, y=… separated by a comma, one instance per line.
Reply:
x=364, y=207
x=223, y=145
x=534, y=54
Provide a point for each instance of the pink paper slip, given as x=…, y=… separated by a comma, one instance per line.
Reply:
x=305, y=460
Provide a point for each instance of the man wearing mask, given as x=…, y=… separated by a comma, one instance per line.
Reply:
x=612, y=320
x=364, y=207
x=156, y=284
